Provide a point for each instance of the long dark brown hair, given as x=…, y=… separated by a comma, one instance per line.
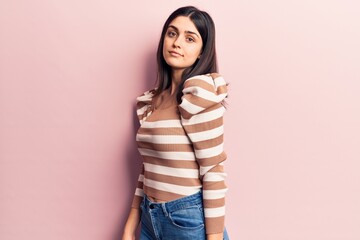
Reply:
x=207, y=63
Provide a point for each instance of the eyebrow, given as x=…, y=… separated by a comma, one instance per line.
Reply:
x=186, y=31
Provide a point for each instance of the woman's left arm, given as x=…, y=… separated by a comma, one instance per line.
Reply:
x=202, y=118
x=215, y=236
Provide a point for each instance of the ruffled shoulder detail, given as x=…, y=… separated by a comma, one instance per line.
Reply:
x=143, y=104
x=202, y=92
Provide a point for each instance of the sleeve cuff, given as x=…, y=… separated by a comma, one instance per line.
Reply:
x=215, y=225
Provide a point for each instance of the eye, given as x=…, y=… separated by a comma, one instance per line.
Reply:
x=171, y=34
x=190, y=39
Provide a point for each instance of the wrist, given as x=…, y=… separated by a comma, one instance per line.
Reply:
x=129, y=230
x=132, y=221
x=215, y=236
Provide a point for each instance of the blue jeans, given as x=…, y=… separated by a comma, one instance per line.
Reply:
x=180, y=219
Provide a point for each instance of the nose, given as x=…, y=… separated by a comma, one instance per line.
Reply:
x=177, y=42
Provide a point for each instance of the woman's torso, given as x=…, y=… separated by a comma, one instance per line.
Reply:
x=170, y=167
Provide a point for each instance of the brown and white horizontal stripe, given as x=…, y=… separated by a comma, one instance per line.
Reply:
x=202, y=118
x=183, y=154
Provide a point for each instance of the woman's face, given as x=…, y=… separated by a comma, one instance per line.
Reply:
x=182, y=43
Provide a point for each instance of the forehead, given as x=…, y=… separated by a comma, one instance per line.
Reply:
x=183, y=24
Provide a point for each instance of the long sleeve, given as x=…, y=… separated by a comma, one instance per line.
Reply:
x=139, y=192
x=202, y=118
x=143, y=104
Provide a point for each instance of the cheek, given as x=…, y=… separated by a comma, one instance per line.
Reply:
x=165, y=43
x=165, y=46
x=194, y=51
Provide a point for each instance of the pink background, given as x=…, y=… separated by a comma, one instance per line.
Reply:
x=69, y=75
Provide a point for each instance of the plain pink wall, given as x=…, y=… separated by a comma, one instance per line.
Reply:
x=69, y=75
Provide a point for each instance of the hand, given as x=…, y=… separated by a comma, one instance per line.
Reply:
x=131, y=224
x=128, y=236
x=215, y=236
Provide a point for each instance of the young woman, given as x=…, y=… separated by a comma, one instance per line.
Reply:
x=181, y=190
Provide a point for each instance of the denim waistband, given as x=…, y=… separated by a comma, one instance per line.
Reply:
x=174, y=205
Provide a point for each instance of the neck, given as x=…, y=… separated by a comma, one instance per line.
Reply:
x=175, y=79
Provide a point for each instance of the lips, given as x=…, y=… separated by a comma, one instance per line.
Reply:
x=175, y=54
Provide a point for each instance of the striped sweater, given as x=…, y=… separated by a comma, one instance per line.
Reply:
x=182, y=148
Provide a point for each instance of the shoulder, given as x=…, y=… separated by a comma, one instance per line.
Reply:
x=210, y=82
x=202, y=92
x=145, y=98
x=143, y=104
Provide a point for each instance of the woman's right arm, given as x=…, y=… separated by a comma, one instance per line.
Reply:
x=133, y=220
x=135, y=210
x=131, y=224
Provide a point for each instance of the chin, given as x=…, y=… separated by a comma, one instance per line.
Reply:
x=174, y=65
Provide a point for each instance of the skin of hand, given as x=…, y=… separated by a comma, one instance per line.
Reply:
x=131, y=224
x=216, y=236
